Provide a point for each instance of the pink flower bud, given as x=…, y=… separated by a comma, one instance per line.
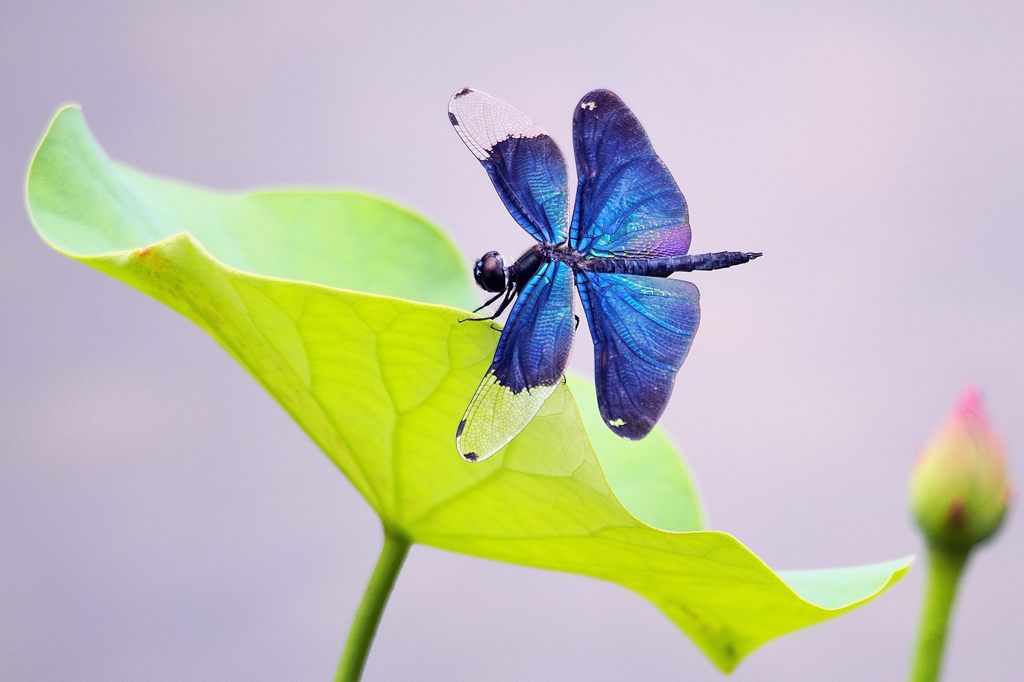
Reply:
x=959, y=488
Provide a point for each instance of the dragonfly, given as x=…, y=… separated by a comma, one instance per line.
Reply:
x=629, y=231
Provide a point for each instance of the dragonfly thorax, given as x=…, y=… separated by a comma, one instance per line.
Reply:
x=490, y=272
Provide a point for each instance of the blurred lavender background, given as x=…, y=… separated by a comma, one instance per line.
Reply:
x=161, y=518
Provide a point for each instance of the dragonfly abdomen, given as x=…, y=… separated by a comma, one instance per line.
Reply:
x=663, y=267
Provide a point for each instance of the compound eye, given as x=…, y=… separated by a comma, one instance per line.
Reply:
x=490, y=272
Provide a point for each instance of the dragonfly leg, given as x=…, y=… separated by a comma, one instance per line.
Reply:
x=510, y=295
x=577, y=322
x=491, y=300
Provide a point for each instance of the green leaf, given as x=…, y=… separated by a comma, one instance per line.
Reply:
x=356, y=348
x=648, y=476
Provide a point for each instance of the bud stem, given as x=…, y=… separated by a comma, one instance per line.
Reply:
x=945, y=566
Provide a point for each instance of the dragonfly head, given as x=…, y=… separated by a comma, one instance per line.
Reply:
x=490, y=272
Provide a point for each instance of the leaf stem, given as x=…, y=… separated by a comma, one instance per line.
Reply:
x=945, y=567
x=375, y=598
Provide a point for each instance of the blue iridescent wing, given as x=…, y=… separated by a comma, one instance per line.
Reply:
x=524, y=163
x=627, y=203
x=642, y=329
x=528, y=364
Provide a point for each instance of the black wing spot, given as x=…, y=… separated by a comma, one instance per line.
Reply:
x=463, y=92
x=451, y=117
x=471, y=456
x=462, y=425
